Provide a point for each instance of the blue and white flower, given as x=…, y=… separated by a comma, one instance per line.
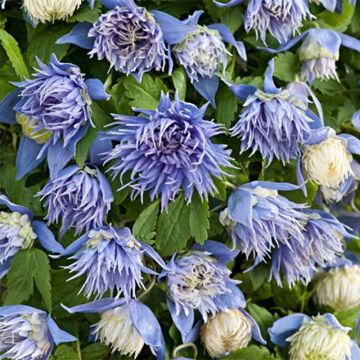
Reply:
x=321, y=336
x=259, y=219
x=338, y=286
x=19, y=230
x=319, y=52
x=80, y=197
x=42, y=11
x=125, y=326
x=327, y=161
x=112, y=260
x=29, y=333
x=168, y=150
x=281, y=18
x=273, y=121
x=54, y=110
x=201, y=281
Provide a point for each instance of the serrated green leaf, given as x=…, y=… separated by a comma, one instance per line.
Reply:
x=13, y=51
x=179, y=79
x=145, y=224
x=232, y=18
x=28, y=267
x=199, y=219
x=336, y=21
x=173, y=230
x=286, y=66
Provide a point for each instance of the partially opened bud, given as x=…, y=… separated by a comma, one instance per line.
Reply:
x=50, y=10
x=339, y=287
x=226, y=332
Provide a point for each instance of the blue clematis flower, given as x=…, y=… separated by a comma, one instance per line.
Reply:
x=200, y=281
x=80, y=197
x=199, y=49
x=19, y=230
x=29, y=333
x=281, y=18
x=319, y=52
x=274, y=121
x=53, y=109
x=327, y=160
x=125, y=326
x=112, y=260
x=322, y=336
x=168, y=150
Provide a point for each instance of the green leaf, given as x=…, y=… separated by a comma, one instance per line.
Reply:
x=199, y=219
x=84, y=145
x=99, y=116
x=95, y=351
x=144, y=226
x=86, y=14
x=349, y=317
x=227, y=106
x=233, y=18
x=173, y=230
x=65, y=352
x=13, y=51
x=145, y=95
x=251, y=352
x=179, y=79
x=262, y=316
x=286, y=66
x=28, y=267
x=336, y=21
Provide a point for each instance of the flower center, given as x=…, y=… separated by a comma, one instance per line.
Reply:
x=32, y=129
x=39, y=331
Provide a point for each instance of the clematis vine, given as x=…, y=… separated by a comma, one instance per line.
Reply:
x=319, y=52
x=53, y=109
x=321, y=336
x=281, y=18
x=125, y=326
x=112, y=260
x=167, y=150
x=19, y=230
x=273, y=121
x=327, y=159
x=29, y=333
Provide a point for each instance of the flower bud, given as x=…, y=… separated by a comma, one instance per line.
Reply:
x=50, y=10
x=339, y=287
x=317, y=339
x=226, y=332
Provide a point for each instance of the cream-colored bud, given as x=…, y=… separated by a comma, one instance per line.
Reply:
x=115, y=329
x=339, y=287
x=50, y=10
x=226, y=332
x=328, y=164
x=317, y=340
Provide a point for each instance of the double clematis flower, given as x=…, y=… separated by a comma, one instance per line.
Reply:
x=321, y=336
x=29, y=333
x=281, y=18
x=54, y=111
x=19, y=230
x=319, y=52
x=125, y=326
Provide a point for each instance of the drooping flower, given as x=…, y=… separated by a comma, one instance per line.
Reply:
x=112, y=260
x=320, y=244
x=201, y=281
x=125, y=326
x=327, y=160
x=228, y=331
x=18, y=230
x=199, y=49
x=168, y=150
x=281, y=18
x=338, y=286
x=274, y=121
x=54, y=111
x=321, y=337
x=259, y=219
x=28, y=333
x=42, y=11
x=319, y=52
x=80, y=197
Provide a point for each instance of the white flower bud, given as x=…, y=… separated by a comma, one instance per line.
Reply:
x=226, y=332
x=328, y=164
x=316, y=339
x=115, y=329
x=50, y=10
x=339, y=288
